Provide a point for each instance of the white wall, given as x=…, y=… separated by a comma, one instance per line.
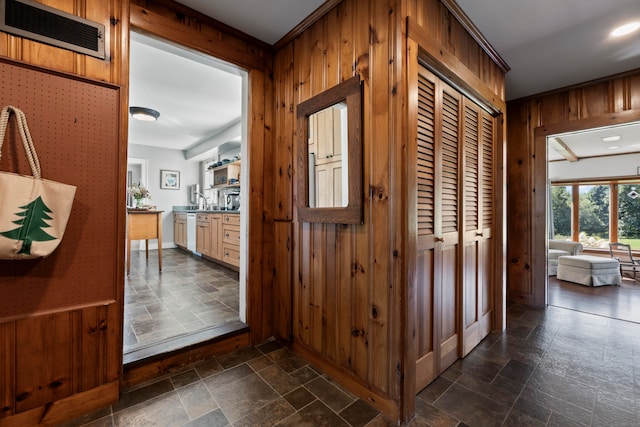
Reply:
x=162, y=158
x=602, y=167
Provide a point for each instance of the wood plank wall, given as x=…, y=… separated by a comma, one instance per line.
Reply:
x=346, y=284
x=600, y=103
x=75, y=364
x=66, y=361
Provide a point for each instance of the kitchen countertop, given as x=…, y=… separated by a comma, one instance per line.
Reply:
x=191, y=209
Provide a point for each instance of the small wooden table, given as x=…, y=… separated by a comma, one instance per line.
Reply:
x=144, y=224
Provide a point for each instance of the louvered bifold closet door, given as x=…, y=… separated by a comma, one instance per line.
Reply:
x=478, y=224
x=438, y=194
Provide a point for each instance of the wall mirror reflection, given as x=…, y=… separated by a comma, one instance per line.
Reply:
x=330, y=155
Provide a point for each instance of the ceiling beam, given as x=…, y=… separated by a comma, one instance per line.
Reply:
x=563, y=149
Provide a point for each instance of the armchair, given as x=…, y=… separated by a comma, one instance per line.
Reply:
x=558, y=248
x=622, y=252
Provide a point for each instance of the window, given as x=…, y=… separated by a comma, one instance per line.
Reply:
x=629, y=214
x=605, y=212
x=561, y=205
x=594, y=216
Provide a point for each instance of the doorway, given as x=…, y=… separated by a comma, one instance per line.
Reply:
x=590, y=200
x=202, y=107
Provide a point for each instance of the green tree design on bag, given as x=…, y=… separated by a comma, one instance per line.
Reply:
x=32, y=223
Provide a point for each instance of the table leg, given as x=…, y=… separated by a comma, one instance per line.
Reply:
x=146, y=247
x=128, y=256
x=159, y=234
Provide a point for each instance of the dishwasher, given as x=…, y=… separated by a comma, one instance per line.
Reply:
x=191, y=233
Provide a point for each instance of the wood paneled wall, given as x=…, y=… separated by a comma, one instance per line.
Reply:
x=347, y=284
x=59, y=364
x=63, y=361
x=601, y=103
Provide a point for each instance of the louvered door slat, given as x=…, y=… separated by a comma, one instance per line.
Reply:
x=425, y=162
x=450, y=121
x=471, y=169
x=487, y=172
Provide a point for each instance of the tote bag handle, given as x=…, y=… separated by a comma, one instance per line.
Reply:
x=23, y=128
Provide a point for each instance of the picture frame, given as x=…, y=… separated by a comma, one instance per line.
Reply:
x=169, y=180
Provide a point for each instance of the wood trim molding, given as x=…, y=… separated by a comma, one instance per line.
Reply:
x=452, y=69
x=539, y=202
x=197, y=16
x=475, y=33
x=65, y=409
x=588, y=123
x=306, y=23
x=589, y=83
x=375, y=398
x=145, y=370
x=153, y=23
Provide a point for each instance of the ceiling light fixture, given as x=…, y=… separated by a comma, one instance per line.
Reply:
x=144, y=114
x=613, y=147
x=625, y=29
x=611, y=138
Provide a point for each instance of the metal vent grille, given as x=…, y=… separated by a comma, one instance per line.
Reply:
x=48, y=25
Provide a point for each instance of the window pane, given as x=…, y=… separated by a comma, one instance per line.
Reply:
x=561, y=202
x=594, y=216
x=629, y=214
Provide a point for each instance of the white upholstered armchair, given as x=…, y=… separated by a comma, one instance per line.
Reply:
x=558, y=248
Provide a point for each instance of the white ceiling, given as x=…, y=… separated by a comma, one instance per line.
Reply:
x=590, y=144
x=551, y=44
x=548, y=44
x=197, y=97
x=266, y=20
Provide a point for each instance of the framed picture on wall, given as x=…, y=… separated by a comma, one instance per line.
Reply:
x=169, y=180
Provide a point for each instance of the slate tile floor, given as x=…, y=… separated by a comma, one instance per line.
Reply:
x=553, y=367
x=190, y=294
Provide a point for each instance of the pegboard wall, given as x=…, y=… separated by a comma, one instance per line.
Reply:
x=75, y=127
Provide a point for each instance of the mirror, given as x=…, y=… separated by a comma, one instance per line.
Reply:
x=330, y=155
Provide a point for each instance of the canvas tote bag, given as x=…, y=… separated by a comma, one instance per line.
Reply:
x=33, y=211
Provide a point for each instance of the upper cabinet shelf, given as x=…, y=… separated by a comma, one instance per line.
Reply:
x=227, y=175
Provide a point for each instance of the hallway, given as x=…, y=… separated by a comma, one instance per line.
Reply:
x=551, y=367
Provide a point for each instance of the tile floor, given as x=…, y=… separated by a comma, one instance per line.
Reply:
x=553, y=367
x=190, y=295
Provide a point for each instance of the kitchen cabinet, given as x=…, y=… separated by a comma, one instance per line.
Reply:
x=217, y=177
x=231, y=239
x=180, y=229
x=327, y=142
x=227, y=175
x=215, y=233
x=218, y=237
x=203, y=234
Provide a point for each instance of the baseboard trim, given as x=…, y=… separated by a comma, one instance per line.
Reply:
x=65, y=409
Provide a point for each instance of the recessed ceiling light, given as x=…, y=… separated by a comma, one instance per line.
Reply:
x=144, y=114
x=613, y=147
x=625, y=29
x=611, y=138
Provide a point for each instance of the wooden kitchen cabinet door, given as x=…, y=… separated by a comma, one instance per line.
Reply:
x=215, y=233
x=203, y=234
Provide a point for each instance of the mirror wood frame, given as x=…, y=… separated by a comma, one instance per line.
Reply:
x=349, y=91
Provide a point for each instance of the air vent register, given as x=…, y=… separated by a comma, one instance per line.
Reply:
x=45, y=24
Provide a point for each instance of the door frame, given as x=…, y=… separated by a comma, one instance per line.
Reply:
x=539, y=211
x=258, y=294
